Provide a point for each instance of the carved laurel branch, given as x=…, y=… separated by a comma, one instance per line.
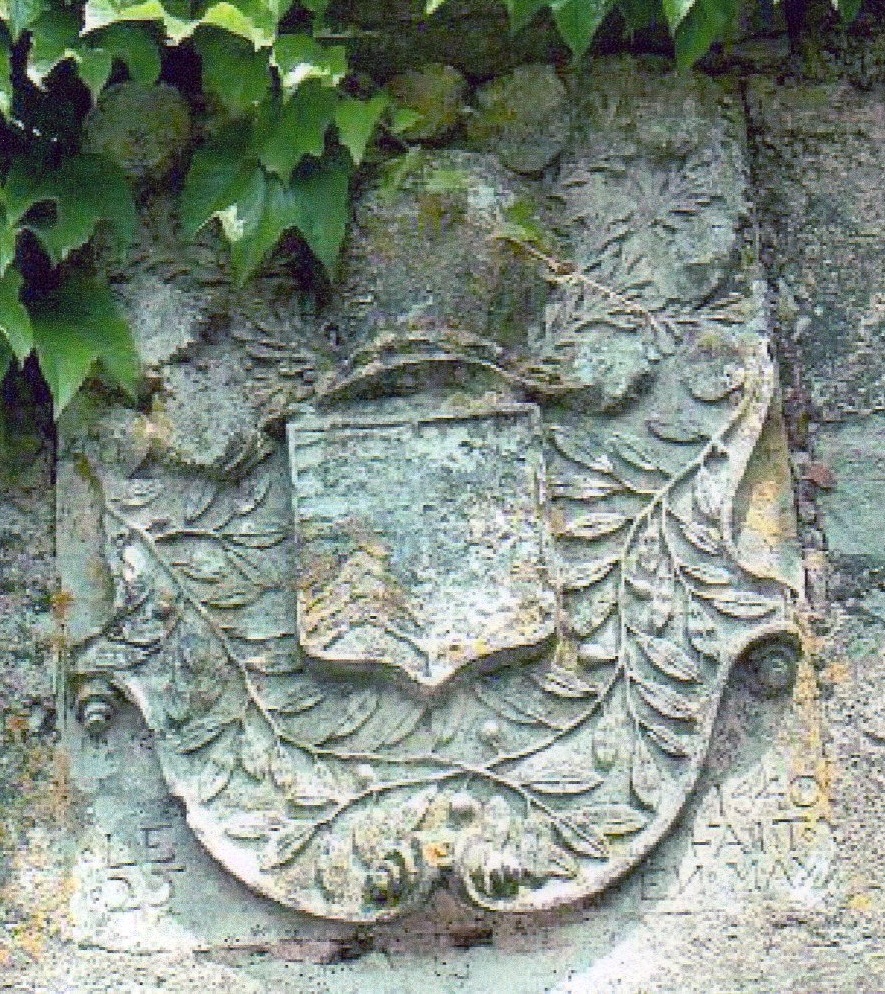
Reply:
x=645, y=637
x=658, y=595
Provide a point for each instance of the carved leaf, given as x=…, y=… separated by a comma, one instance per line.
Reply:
x=662, y=596
x=140, y=494
x=359, y=708
x=516, y=711
x=254, y=499
x=615, y=819
x=743, y=604
x=607, y=742
x=259, y=536
x=582, y=837
x=577, y=452
x=214, y=777
x=276, y=661
x=234, y=597
x=682, y=430
x=256, y=745
x=244, y=564
x=701, y=631
x=708, y=494
x=560, y=865
x=563, y=782
x=667, y=702
x=564, y=683
x=591, y=614
x=633, y=452
x=577, y=577
x=254, y=824
x=286, y=765
x=711, y=575
x=584, y=491
x=284, y=845
x=702, y=536
x=711, y=385
x=199, y=500
x=299, y=701
x=669, y=658
x=401, y=724
x=199, y=733
x=592, y=655
x=668, y=741
x=593, y=526
x=445, y=721
x=201, y=572
x=645, y=777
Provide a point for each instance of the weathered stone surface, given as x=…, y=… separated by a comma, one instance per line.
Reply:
x=852, y=509
x=470, y=631
x=473, y=36
x=772, y=877
x=425, y=256
x=435, y=92
x=144, y=129
x=677, y=232
x=523, y=117
x=821, y=156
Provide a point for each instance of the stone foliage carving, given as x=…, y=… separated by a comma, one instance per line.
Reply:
x=469, y=623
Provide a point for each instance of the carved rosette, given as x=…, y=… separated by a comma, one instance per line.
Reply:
x=472, y=636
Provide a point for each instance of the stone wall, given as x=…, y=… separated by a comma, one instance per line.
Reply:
x=772, y=877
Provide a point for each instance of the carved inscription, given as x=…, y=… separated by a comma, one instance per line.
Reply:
x=760, y=836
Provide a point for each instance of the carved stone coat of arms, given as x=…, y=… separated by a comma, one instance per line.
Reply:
x=457, y=610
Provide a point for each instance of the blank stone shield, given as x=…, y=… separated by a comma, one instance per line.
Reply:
x=422, y=542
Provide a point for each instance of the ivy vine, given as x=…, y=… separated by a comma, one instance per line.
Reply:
x=281, y=126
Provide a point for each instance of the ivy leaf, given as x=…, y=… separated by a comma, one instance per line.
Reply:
x=432, y=6
x=218, y=177
x=55, y=38
x=707, y=21
x=19, y=15
x=253, y=21
x=578, y=21
x=8, y=238
x=86, y=189
x=135, y=47
x=232, y=71
x=15, y=323
x=174, y=16
x=675, y=11
x=6, y=358
x=300, y=58
x=848, y=9
x=5, y=81
x=356, y=120
x=522, y=11
x=319, y=208
x=77, y=328
x=284, y=136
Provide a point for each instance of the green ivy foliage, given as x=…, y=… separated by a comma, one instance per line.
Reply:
x=281, y=127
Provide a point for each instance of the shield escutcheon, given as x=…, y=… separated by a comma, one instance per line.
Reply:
x=422, y=542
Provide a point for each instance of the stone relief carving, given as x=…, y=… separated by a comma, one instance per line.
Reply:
x=468, y=624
